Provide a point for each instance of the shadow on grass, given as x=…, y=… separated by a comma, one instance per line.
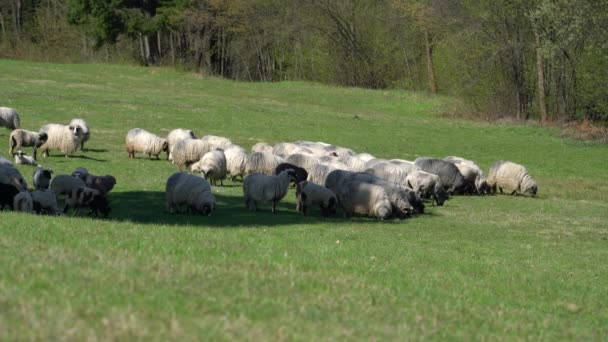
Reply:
x=94, y=150
x=74, y=156
x=148, y=207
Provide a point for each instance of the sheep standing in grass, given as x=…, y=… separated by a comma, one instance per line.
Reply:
x=427, y=185
x=60, y=137
x=448, y=173
x=389, y=172
x=23, y=202
x=104, y=184
x=22, y=159
x=81, y=129
x=188, y=193
x=318, y=174
x=212, y=165
x=302, y=160
x=84, y=197
x=308, y=193
x=259, y=187
x=42, y=178
x=262, y=162
x=9, y=118
x=236, y=159
x=216, y=142
x=21, y=138
x=139, y=140
x=511, y=176
x=472, y=173
x=261, y=147
x=405, y=201
x=188, y=151
x=179, y=134
x=364, y=199
x=65, y=184
x=45, y=202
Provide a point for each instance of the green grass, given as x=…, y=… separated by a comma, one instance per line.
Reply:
x=477, y=268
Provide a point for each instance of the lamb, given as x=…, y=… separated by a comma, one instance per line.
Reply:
x=59, y=137
x=21, y=138
x=190, y=191
x=364, y=199
x=301, y=174
x=262, y=162
x=23, y=159
x=427, y=185
x=9, y=175
x=23, y=202
x=215, y=142
x=308, y=193
x=188, y=151
x=512, y=176
x=65, y=184
x=139, y=140
x=45, y=202
x=9, y=118
x=7, y=195
x=212, y=165
x=42, y=178
x=236, y=159
x=318, y=174
x=179, y=134
x=87, y=198
x=448, y=173
x=84, y=133
x=261, y=147
x=259, y=187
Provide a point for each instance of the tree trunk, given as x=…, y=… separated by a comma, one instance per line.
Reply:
x=172, y=48
x=429, y=62
x=160, y=53
x=2, y=26
x=540, y=69
x=142, y=49
x=147, y=49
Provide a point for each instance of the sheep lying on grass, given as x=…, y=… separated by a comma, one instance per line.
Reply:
x=42, y=178
x=45, y=202
x=23, y=202
x=84, y=197
x=22, y=159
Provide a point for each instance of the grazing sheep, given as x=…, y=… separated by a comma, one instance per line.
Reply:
x=259, y=187
x=22, y=159
x=308, y=193
x=284, y=150
x=21, y=138
x=302, y=160
x=365, y=157
x=318, y=174
x=472, y=173
x=389, y=172
x=236, y=159
x=188, y=151
x=139, y=140
x=9, y=175
x=406, y=165
x=427, y=185
x=364, y=199
x=301, y=174
x=262, y=162
x=212, y=165
x=7, y=195
x=23, y=202
x=512, y=176
x=84, y=197
x=104, y=184
x=84, y=133
x=59, y=137
x=9, y=118
x=65, y=184
x=353, y=163
x=261, y=147
x=177, y=135
x=42, y=178
x=448, y=173
x=216, y=143
x=190, y=191
x=45, y=202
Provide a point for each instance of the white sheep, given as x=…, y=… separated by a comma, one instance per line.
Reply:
x=284, y=150
x=188, y=151
x=427, y=185
x=60, y=138
x=216, y=142
x=353, y=163
x=42, y=178
x=23, y=202
x=308, y=193
x=188, y=193
x=212, y=165
x=139, y=140
x=259, y=187
x=389, y=172
x=261, y=147
x=365, y=157
x=45, y=201
x=236, y=160
x=64, y=184
x=364, y=199
x=302, y=160
x=9, y=118
x=22, y=159
x=262, y=162
x=177, y=135
x=84, y=133
x=318, y=173
x=511, y=176
x=22, y=138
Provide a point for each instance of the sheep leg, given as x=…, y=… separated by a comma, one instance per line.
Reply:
x=514, y=192
x=274, y=207
x=500, y=190
x=304, y=209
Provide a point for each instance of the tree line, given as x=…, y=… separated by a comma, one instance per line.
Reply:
x=530, y=59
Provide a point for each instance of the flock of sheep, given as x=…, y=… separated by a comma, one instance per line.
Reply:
x=326, y=176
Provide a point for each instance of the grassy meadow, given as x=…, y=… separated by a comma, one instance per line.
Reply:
x=478, y=268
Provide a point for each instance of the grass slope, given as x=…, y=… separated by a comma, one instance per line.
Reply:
x=481, y=268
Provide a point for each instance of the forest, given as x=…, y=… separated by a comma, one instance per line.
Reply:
x=544, y=60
